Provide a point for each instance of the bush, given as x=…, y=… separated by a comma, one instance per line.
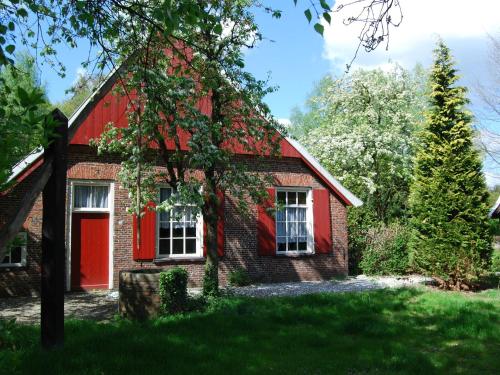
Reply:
x=495, y=261
x=239, y=277
x=386, y=251
x=360, y=220
x=173, y=290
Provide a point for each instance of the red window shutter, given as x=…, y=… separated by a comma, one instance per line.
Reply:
x=220, y=228
x=322, y=221
x=147, y=250
x=266, y=227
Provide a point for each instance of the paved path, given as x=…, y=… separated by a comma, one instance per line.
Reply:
x=102, y=305
x=96, y=305
x=351, y=284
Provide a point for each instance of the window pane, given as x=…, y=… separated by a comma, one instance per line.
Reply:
x=99, y=196
x=190, y=230
x=302, y=229
x=281, y=197
x=178, y=246
x=164, y=216
x=164, y=247
x=190, y=246
x=190, y=218
x=165, y=229
x=301, y=214
x=280, y=215
x=178, y=230
x=301, y=197
x=292, y=197
x=82, y=197
x=16, y=255
x=280, y=229
x=165, y=194
x=292, y=245
x=292, y=230
x=291, y=214
x=281, y=243
x=178, y=214
x=302, y=243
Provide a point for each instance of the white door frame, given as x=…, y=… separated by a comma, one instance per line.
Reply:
x=110, y=210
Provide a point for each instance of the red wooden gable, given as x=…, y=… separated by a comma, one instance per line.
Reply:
x=111, y=108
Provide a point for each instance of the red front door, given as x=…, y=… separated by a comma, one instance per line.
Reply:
x=89, y=250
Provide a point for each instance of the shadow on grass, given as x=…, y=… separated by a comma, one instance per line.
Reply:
x=389, y=331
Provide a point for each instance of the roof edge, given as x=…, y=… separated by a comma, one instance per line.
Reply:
x=349, y=196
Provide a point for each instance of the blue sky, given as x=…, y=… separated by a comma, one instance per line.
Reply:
x=297, y=57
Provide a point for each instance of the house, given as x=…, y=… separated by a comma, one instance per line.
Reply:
x=495, y=210
x=306, y=240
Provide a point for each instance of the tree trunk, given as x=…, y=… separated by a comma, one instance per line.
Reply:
x=211, y=277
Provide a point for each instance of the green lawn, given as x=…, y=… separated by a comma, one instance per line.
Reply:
x=406, y=331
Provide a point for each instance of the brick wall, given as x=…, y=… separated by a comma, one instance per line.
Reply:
x=240, y=231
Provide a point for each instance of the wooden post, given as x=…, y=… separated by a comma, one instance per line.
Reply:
x=53, y=233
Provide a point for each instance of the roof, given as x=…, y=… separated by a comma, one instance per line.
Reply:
x=26, y=165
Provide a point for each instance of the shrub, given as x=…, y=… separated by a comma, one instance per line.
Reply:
x=386, y=251
x=360, y=221
x=239, y=277
x=173, y=290
x=495, y=261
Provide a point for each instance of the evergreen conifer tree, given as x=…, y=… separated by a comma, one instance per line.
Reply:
x=448, y=198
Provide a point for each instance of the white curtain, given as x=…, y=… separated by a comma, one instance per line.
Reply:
x=87, y=196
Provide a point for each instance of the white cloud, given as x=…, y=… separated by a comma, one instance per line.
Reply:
x=414, y=39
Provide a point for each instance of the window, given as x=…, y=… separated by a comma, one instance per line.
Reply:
x=178, y=230
x=17, y=254
x=93, y=197
x=293, y=221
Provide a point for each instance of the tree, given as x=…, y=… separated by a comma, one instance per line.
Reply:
x=489, y=95
x=196, y=144
x=449, y=200
x=361, y=127
x=23, y=105
x=114, y=29
x=80, y=91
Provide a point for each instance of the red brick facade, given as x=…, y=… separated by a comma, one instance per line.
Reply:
x=240, y=232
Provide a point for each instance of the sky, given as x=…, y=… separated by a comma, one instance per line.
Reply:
x=296, y=57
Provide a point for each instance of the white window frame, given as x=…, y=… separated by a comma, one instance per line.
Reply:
x=199, y=235
x=309, y=219
x=89, y=209
x=23, y=236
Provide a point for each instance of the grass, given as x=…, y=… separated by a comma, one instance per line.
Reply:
x=405, y=331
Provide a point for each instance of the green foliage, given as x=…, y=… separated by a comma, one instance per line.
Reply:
x=449, y=200
x=495, y=261
x=7, y=334
x=165, y=105
x=403, y=331
x=361, y=127
x=79, y=92
x=23, y=110
x=494, y=227
x=386, y=251
x=239, y=277
x=173, y=290
x=359, y=222
x=494, y=194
